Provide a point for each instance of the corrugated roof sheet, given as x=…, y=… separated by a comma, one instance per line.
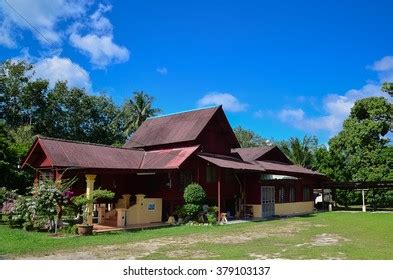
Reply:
x=230, y=162
x=168, y=158
x=176, y=128
x=285, y=168
x=64, y=153
x=250, y=154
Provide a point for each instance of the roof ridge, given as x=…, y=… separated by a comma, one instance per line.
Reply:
x=254, y=148
x=184, y=112
x=84, y=143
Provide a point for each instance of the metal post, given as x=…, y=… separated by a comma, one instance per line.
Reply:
x=219, y=194
x=364, y=204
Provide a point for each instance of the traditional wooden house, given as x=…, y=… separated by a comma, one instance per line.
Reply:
x=149, y=173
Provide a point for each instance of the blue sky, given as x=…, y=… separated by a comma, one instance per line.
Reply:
x=281, y=68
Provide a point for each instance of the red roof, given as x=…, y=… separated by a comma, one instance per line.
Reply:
x=167, y=158
x=64, y=153
x=284, y=168
x=174, y=128
x=229, y=162
x=250, y=154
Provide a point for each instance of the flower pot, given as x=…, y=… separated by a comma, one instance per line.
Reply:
x=85, y=229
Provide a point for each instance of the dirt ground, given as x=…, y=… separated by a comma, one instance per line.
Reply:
x=179, y=246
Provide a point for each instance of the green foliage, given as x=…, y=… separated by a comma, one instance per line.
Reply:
x=300, y=151
x=248, y=138
x=212, y=218
x=194, y=193
x=379, y=198
x=388, y=87
x=3, y=193
x=29, y=107
x=192, y=210
x=360, y=152
x=136, y=110
x=194, y=196
x=82, y=201
x=10, y=155
x=70, y=229
x=41, y=208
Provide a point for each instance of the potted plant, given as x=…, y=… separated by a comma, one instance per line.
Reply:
x=83, y=201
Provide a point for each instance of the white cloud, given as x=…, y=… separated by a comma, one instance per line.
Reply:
x=384, y=67
x=337, y=107
x=162, y=71
x=62, y=69
x=291, y=114
x=384, y=64
x=46, y=19
x=228, y=101
x=101, y=49
x=94, y=38
x=44, y=15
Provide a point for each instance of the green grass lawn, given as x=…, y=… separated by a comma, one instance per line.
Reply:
x=335, y=235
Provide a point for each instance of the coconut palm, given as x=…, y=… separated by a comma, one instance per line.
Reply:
x=300, y=151
x=137, y=110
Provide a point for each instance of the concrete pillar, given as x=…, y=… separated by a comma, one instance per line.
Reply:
x=121, y=217
x=364, y=202
x=140, y=198
x=101, y=215
x=126, y=198
x=90, y=179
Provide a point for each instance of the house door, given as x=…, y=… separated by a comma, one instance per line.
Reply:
x=267, y=200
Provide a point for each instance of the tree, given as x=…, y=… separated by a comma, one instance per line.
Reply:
x=361, y=151
x=248, y=138
x=75, y=115
x=22, y=97
x=300, y=151
x=10, y=154
x=137, y=110
x=388, y=87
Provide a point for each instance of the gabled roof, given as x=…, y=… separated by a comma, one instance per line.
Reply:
x=282, y=168
x=269, y=153
x=271, y=159
x=49, y=152
x=250, y=154
x=229, y=162
x=174, y=128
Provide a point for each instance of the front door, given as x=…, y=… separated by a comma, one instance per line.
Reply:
x=267, y=200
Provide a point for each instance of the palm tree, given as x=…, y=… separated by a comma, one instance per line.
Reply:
x=300, y=151
x=137, y=110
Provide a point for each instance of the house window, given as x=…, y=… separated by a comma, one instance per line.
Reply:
x=46, y=175
x=306, y=194
x=281, y=195
x=185, y=178
x=211, y=174
x=292, y=194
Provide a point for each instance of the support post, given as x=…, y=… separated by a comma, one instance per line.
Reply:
x=101, y=215
x=219, y=194
x=90, y=179
x=364, y=203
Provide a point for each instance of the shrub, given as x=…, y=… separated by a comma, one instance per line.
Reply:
x=82, y=201
x=192, y=210
x=212, y=218
x=194, y=194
